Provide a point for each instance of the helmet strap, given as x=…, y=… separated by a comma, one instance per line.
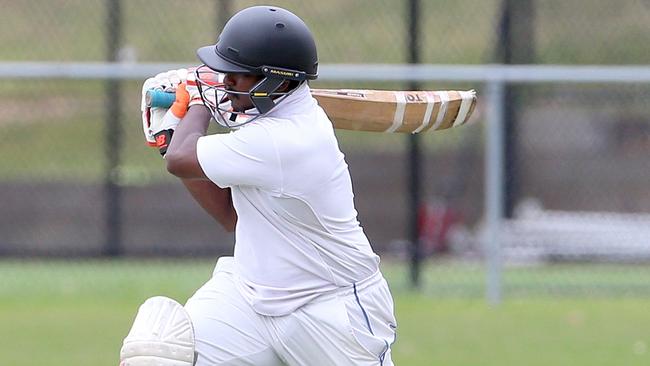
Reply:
x=261, y=93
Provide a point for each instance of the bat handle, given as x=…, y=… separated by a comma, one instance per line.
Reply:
x=156, y=98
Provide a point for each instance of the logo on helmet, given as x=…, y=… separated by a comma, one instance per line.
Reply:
x=284, y=73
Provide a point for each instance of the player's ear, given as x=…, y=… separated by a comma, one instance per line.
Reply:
x=284, y=87
x=288, y=85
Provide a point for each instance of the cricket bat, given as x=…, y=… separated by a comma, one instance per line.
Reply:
x=383, y=110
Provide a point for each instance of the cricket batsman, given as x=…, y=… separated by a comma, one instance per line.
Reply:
x=304, y=285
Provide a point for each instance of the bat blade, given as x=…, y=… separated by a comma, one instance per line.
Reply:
x=381, y=110
x=396, y=111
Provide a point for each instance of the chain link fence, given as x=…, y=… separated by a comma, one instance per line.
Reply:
x=76, y=177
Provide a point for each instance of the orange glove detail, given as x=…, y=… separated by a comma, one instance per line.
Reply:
x=164, y=130
x=179, y=108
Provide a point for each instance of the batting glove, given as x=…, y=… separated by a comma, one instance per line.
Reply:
x=165, y=81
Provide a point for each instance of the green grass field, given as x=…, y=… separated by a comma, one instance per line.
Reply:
x=75, y=313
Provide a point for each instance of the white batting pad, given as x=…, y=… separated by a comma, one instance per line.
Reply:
x=161, y=335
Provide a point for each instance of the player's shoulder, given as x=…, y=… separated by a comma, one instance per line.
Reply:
x=291, y=130
x=249, y=136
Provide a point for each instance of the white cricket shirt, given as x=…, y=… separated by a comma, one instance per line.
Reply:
x=297, y=234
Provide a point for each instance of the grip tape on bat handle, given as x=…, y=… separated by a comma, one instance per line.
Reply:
x=156, y=98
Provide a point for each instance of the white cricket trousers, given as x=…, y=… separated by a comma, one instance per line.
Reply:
x=354, y=326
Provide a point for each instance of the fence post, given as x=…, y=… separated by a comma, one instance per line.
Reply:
x=113, y=135
x=494, y=204
x=415, y=161
x=224, y=12
x=515, y=46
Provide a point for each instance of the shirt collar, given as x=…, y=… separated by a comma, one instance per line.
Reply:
x=297, y=102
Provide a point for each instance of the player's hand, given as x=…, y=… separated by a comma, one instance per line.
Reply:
x=193, y=90
x=164, y=121
x=208, y=77
x=166, y=81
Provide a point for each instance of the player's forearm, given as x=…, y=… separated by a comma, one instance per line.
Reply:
x=214, y=200
x=181, y=157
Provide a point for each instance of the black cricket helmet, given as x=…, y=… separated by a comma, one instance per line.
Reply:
x=267, y=41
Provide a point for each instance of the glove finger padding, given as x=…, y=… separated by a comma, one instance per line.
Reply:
x=182, y=101
x=170, y=79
